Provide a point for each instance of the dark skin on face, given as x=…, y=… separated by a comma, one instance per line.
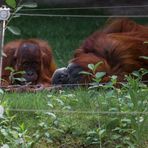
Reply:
x=72, y=74
x=69, y=75
x=28, y=59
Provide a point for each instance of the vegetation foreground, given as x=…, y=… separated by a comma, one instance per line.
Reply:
x=103, y=116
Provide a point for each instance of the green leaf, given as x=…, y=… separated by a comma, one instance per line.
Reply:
x=19, y=72
x=11, y=3
x=60, y=101
x=91, y=133
x=9, y=68
x=136, y=73
x=144, y=57
x=99, y=75
x=51, y=114
x=96, y=80
x=101, y=132
x=66, y=108
x=113, y=77
x=1, y=91
x=30, y=4
x=131, y=145
x=20, y=79
x=113, y=109
x=91, y=66
x=14, y=30
x=116, y=136
x=22, y=126
x=4, y=132
x=146, y=42
x=19, y=8
x=126, y=120
x=97, y=65
x=85, y=73
x=50, y=105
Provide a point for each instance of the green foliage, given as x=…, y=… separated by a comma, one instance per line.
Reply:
x=72, y=118
x=15, y=75
x=11, y=3
x=144, y=57
x=96, y=76
x=140, y=73
x=108, y=118
x=94, y=67
x=12, y=135
x=14, y=30
x=99, y=76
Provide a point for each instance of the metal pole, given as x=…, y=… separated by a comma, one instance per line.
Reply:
x=4, y=15
x=2, y=33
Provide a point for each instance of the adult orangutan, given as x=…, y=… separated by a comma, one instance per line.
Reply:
x=33, y=56
x=120, y=46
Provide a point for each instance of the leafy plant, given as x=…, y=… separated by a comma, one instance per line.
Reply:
x=144, y=57
x=96, y=76
x=13, y=135
x=140, y=73
x=16, y=8
x=11, y=3
x=15, y=75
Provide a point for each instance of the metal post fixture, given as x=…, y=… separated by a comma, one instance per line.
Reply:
x=4, y=15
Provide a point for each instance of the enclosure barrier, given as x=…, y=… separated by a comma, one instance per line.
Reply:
x=4, y=15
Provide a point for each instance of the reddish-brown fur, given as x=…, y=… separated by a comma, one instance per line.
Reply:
x=47, y=66
x=119, y=45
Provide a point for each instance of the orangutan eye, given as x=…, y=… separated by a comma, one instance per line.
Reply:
x=25, y=64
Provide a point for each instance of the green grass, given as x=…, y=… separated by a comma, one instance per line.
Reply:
x=76, y=123
x=63, y=34
x=73, y=117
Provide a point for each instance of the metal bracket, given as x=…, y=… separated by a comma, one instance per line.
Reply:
x=4, y=13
